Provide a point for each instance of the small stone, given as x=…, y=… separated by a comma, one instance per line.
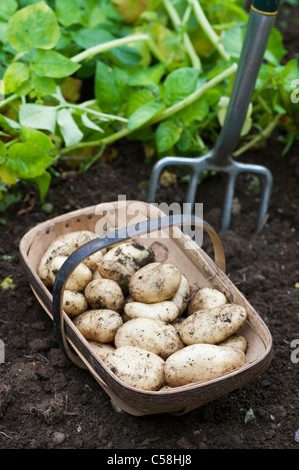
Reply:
x=58, y=438
x=84, y=400
x=278, y=412
x=297, y=436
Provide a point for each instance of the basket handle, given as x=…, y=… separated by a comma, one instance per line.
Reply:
x=115, y=237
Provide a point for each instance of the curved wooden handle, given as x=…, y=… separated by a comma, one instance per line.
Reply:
x=115, y=237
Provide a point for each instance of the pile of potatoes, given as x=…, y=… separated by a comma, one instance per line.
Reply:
x=142, y=317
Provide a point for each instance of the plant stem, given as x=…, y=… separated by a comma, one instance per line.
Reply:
x=163, y=115
x=178, y=24
x=207, y=28
x=264, y=134
x=195, y=95
x=107, y=46
x=100, y=115
x=156, y=51
x=8, y=100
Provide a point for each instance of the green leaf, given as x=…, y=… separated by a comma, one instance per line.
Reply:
x=87, y=37
x=69, y=130
x=137, y=99
x=167, y=135
x=34, y=26
x=68, y=12
x=106, y=91
x=53, y=64
x=179, y=84
x=3, y=152
x=144, y=113
x=275, y=50
x=43, y=182
x=148, y=77
x=14, y=76
x=10, y=199
x=28, y=160
x=38, y=116
x=41, y=139
x=3, y=32
x=44, y=85
x=9, y=124
x=90, y=124
x=197, y=112
x=249, y=416
x=233, y=40
x=289, y=74
x=7, y=8
x=8, y=283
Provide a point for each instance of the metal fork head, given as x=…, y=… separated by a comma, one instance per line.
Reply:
x=232, y=168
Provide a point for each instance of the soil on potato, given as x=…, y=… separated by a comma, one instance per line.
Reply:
x=48, y=402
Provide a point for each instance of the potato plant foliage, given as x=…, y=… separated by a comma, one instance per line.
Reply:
x=77, y=75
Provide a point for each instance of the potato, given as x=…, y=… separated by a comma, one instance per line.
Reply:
x=137, y=367
x=235, y=340
x=153, y=335
x=96, y=275
x=104, y=293
x=207, y=297
x=166, y=311
x=177, y=323
x=132, y=255
x=155, y=282
x=101, y=349
x=63, y=245
x=212, y=325
x=78, y=279
x=98, y=325
x=115, y=271
x=201, y=362
x=92, y=261
x=181, y=297
x=74, y=303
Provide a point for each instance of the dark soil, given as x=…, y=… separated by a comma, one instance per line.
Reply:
x=47, y=402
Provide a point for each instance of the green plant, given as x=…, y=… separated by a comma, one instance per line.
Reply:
x=156, y=71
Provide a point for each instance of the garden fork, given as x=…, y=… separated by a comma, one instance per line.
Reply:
x=260, y=22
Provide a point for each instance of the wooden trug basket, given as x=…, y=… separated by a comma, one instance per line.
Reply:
x=197, y=266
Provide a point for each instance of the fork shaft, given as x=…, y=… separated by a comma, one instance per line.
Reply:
x=255, y=42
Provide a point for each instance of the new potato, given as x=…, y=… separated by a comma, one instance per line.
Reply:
x=64, y=245
x=98, y=325
x=132, y=255
x=74, y=303
x=201, y=362
x=104, y=293
x=204, y=298
x=212, y=325
x=101, y=349
x=77, y=280
x=166, y=311
x=155, y=282
x=235, y=340
x=153, y=335
x=110, y=269
x=137, y=367
x=181, y=297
